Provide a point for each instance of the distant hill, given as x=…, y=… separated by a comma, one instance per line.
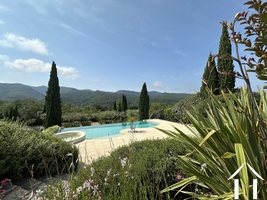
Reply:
x=42, y=89
x=13, y=91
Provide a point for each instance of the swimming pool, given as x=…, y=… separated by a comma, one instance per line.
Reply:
x=107, y=129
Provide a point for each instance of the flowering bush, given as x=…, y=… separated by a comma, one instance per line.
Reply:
x=138, y=171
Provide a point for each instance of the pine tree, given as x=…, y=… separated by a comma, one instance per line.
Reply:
x=52, y=99
x=225, y=63
x=144, y=104
x=210, y=78
x=123, y=103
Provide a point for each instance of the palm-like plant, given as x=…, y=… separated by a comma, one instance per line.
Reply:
x=234, y=131
x=222, y=142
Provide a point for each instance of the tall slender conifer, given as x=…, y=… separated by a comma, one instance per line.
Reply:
x=144, y=104
x=210, y=78
x=225, y=63
x=52, y=99
x=123, y=103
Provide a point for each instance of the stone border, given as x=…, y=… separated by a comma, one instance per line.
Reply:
x=81, y=136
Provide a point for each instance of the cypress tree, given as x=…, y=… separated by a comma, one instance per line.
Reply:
x=144, y=104
x=44, y=109
x=11, y=113
x=16, y=113
x=119, y=106
x=123, y=103
x=210, y=78
x=52, y=99
x=115, y=106
x=225, y=63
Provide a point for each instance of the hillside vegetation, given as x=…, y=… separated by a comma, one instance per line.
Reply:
x=11, y=92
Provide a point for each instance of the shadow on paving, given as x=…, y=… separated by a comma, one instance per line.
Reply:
x=23, y=189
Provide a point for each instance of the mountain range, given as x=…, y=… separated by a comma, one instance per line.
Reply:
x=13, y=91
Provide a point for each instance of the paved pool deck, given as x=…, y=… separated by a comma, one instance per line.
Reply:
x=94, y=148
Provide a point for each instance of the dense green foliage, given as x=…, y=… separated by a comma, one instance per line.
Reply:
x=137, y=171
x=13, y=113
x=159, y=111
x=23, y=150
x=103, y=117
x=225, y=63
x=143, y=104
x=188, y=104
x=74, y=97
x=123, y=103
x=52, y=99
x=115, y=105
x=210, y=78
x=29, y=110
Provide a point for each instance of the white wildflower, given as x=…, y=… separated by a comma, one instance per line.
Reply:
x=123, y=162
x=87, y=183
x=95, y=189
x=79, y=189
x=108, y=172
x=39, y=192
x=92, y=171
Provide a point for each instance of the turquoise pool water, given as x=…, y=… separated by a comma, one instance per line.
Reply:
x=107, y=129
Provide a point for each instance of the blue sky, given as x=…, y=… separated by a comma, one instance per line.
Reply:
x=111, y=45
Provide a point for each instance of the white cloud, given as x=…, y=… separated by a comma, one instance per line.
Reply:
x=158, y=84
x=73, y=30
x=11, y=40
x=4, y=57
x=34, y=65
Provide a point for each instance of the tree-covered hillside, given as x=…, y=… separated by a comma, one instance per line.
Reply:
x=75, y=97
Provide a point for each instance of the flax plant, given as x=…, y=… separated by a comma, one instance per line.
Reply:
x=233, y=135
x=222, y=142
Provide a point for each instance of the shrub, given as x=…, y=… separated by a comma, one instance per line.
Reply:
x=137, y=171
x=23, y=150
x=51, y=130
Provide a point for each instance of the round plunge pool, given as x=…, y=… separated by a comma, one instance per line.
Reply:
x=71, y=136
